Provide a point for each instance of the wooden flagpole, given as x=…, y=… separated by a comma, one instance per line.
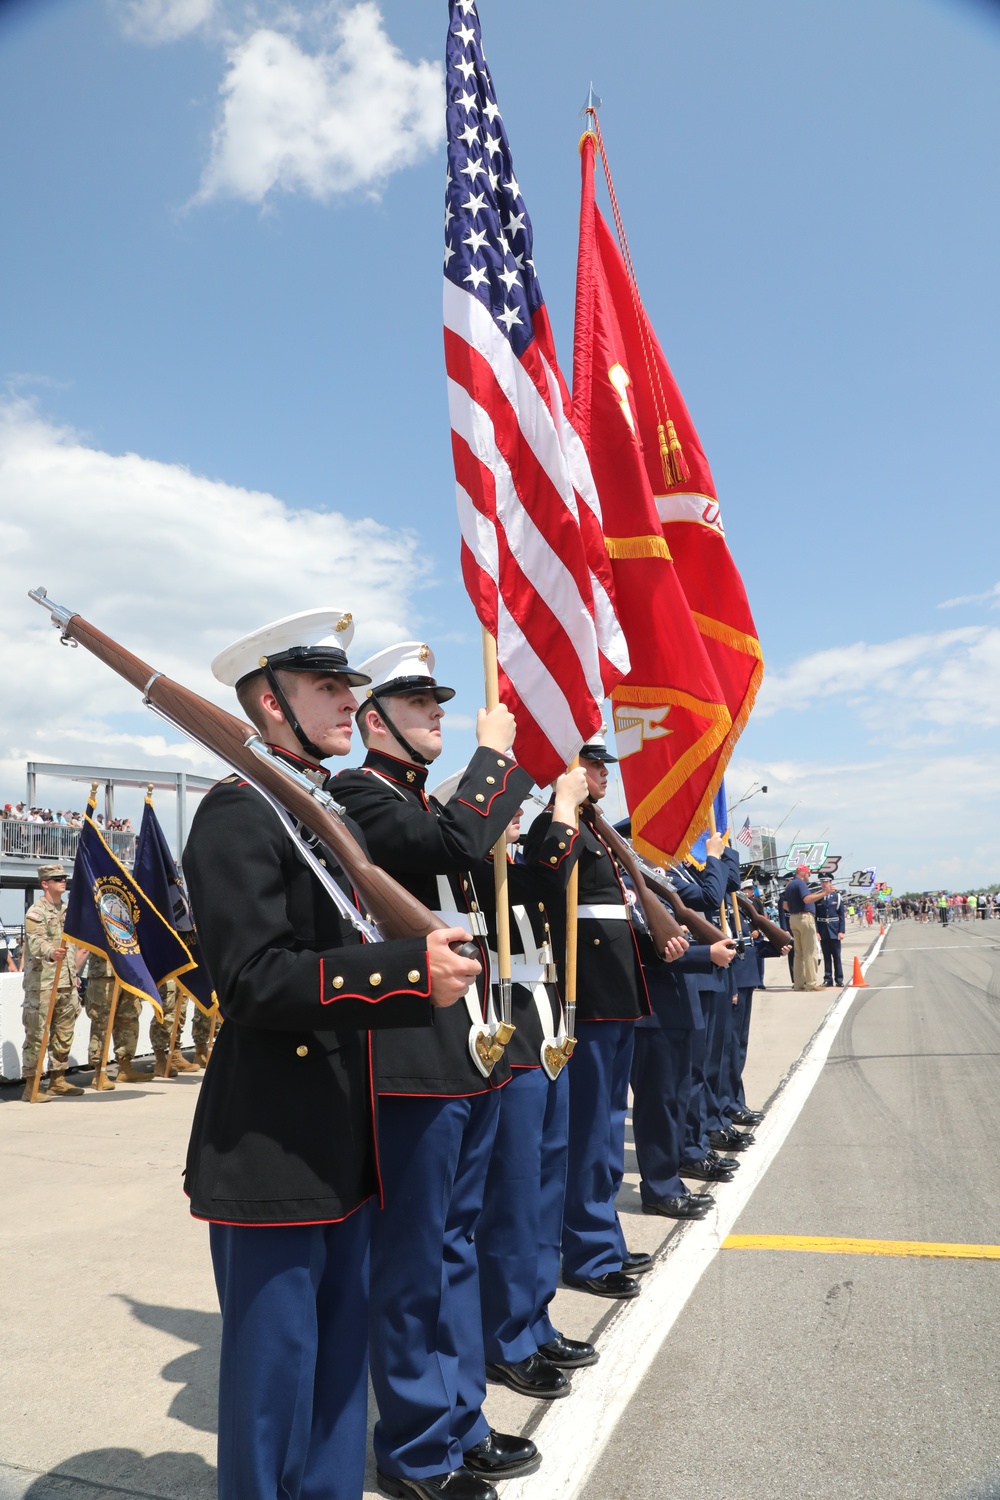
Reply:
x=505, y=1029
x=44, y=1047
x=570, y=963
x=713, y=830
x=179, y=998
x=106, y=1048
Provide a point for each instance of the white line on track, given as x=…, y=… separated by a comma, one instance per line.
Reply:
x=573, y=1433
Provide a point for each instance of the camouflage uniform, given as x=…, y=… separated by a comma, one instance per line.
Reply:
x=100, y=987
x=43, y=931
x=201, y=1027
x=160, y=1031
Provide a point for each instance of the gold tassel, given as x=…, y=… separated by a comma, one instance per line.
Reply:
x=668, y=469
x=678, y=462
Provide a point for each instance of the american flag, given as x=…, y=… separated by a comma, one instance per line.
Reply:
x=745, y=836
x=533, y=553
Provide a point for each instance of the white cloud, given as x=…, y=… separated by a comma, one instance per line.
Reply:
x=990, y=597
x=943, y=683
x=171, y=564
x=342, y=118
x=924, y=821
x=156, y=21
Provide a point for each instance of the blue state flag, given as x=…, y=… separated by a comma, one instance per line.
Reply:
x=156, y=874
x=699, y=853
x=108, y=913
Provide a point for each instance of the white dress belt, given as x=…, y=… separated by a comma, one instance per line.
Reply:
x=604, y=913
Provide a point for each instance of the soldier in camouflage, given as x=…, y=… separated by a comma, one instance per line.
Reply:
x=125, y=1031
x=201, y=1031
x=47, y=951
x=160, y=1033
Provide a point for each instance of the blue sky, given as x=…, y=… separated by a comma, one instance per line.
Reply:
x=220, y=335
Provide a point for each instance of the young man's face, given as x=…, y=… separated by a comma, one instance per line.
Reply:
x=597, y=777
x=418, y=717
x=55, y=889
x=513, y=830
x=324, y=706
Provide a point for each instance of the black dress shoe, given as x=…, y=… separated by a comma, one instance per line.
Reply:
x=611, y=1284
x=460, y=1484
x=728, y=1163
x=501, y=1455
x=534, y=1376
x=730, y=1140
x=687, y=1207
x=707, y=1171
x=746, y=1116
x=568, y=1354
x=637, y=1263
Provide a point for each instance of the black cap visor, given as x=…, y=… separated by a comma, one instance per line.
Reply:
x=326, y=661
x=399, y=686
x=598, y=753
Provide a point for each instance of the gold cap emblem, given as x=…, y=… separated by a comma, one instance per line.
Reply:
x=344, y=621
x=424, y=653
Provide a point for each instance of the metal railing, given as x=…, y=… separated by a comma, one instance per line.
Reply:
x=52, y=841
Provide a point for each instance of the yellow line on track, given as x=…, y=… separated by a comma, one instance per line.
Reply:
x=824, y=1245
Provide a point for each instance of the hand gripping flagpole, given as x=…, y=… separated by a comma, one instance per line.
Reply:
x=505, y=1028
x=713, y=829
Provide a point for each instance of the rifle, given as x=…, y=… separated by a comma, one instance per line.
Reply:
x=396, y=913
x=776, y=936
x=699, y=926
x=662, y=926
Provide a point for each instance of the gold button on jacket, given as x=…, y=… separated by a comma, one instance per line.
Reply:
x=302, y=1051
x=413, y=976
x=375, y=978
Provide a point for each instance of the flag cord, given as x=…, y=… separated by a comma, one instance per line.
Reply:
x=675, y=469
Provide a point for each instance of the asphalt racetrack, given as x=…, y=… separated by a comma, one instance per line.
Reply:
x=796, y=1372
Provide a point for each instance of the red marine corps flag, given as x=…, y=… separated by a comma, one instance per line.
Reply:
x=680, y=712
x=533, y=554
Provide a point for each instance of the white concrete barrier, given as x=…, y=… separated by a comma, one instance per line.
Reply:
x=12, y=1031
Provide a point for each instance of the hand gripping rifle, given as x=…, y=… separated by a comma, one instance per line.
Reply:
x=396, y=913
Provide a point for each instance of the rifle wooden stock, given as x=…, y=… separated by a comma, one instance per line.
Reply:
x=397, y=913
x=698, y=925
x=662, y=927
x=776, y=936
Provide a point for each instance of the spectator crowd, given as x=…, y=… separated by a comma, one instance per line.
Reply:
x=20, y=812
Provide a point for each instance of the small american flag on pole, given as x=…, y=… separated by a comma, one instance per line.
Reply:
x=533, y=553
x=745, y=836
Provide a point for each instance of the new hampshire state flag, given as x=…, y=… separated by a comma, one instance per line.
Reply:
x=110, y=914
x=157, y=875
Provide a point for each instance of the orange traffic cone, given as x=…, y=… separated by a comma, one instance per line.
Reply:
x=881, y=929
x=858, y=980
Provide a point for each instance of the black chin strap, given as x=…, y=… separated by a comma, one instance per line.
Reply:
x=415, y=755
x=291, y=720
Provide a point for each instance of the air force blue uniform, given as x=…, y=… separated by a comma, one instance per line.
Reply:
x=831, y=923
